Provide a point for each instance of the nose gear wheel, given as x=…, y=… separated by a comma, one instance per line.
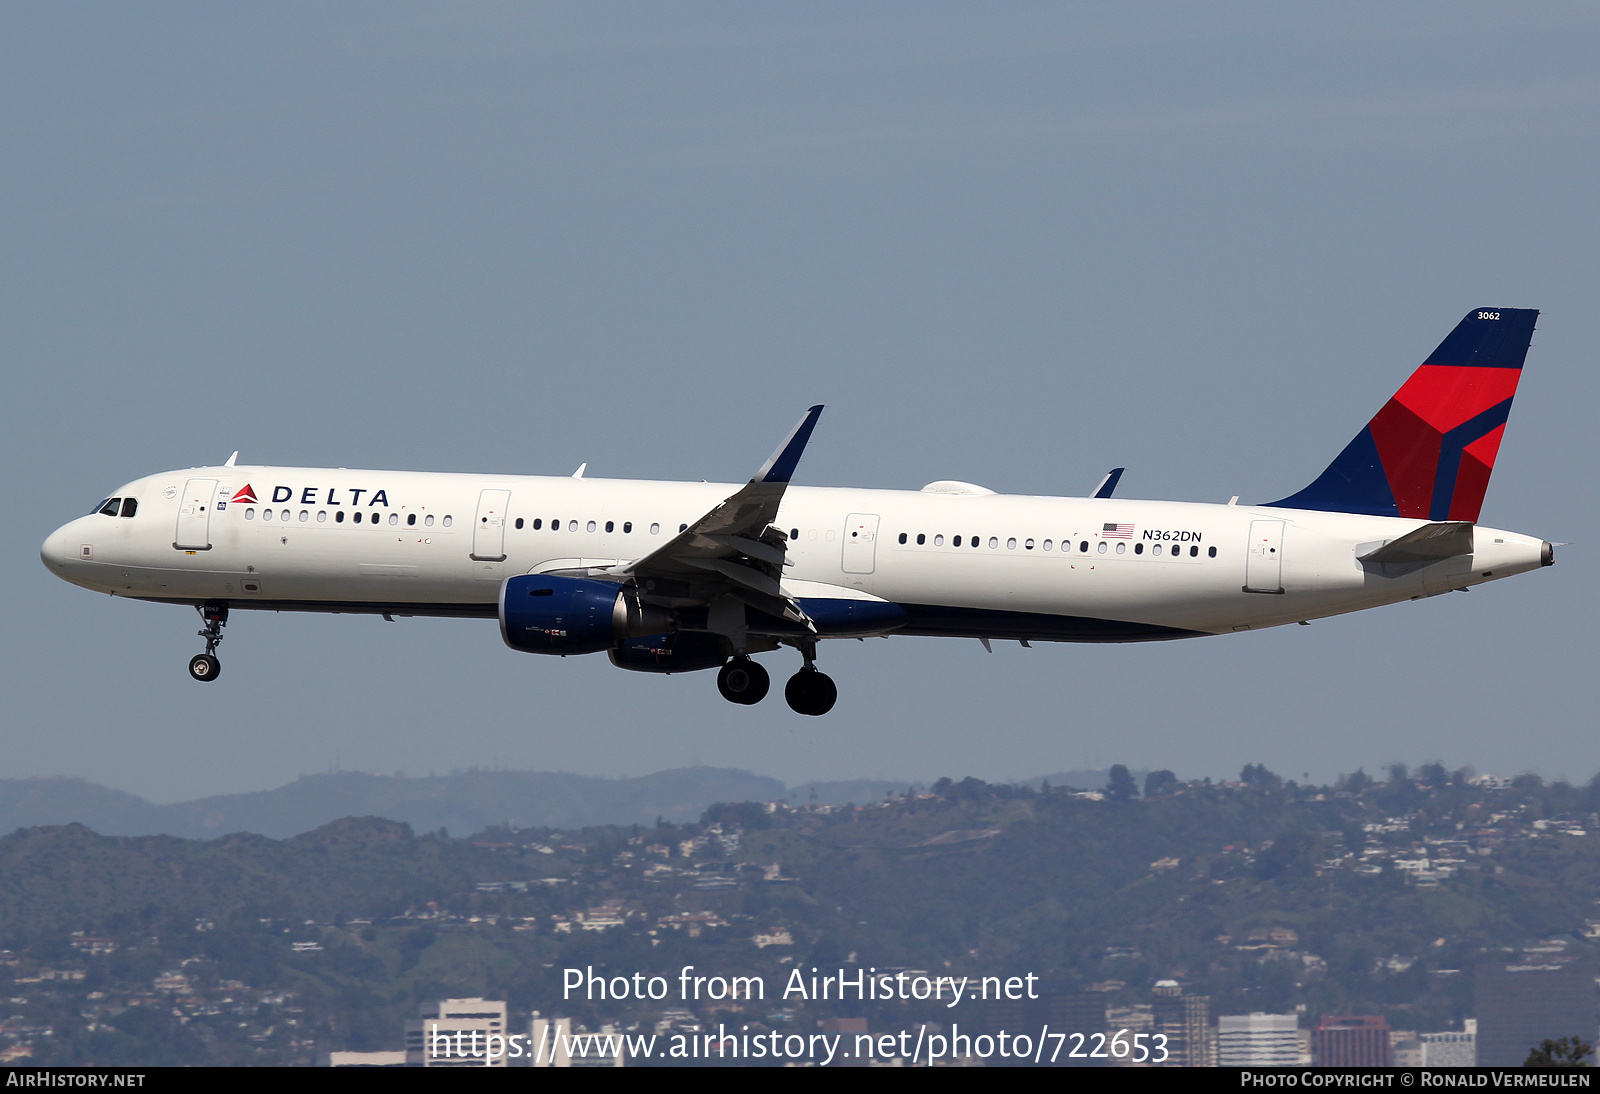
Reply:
x=205, y=666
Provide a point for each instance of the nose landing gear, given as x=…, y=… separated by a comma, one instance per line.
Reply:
x=205, y=666
x=743, y=681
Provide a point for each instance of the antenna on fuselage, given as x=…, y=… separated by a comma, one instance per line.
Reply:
x=231, y=460
x=582, y=467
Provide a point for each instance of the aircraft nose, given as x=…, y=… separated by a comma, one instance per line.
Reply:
x=53, y=552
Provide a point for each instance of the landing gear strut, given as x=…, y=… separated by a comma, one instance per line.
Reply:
x=743, y=681
x=205, y=666
x=810, y=691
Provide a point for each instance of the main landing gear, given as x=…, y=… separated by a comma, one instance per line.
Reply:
x=808, y=691
x=205, y=666
x=743, y=681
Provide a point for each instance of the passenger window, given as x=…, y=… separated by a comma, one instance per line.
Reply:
x=590, y=526
x=921, y=539
x=249, y=514
x=394, y=518
x=655, y=529
x=938, y=541
x=1011, y=544
x=794, y=534
x=266, y=514
x=411, y=520
x=1045, y=545
x=1102, y=547
x=1028, y=546
x=519, y=522
x=1194, y=552
x=446, y=521
x=1121, y=547
x=1138, y=549
x=994, y=541
x=284, y=515
x=130, y=506
x=1083, y=547
x=902, y=537
x=682, y=528
x=537, y=523
x=428, y=521
x=111, y=507
x=572, y=525
x=956, y=542
x=555, y=524
x=1211, y=552
x=1156, y=550
x=338, y=518
x=627, y=527
x=611, y=525
x=322, y=516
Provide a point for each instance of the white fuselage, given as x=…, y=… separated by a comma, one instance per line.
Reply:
x=1043, y=568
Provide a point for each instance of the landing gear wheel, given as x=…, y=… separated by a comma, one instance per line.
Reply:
x=743, y=681
x=811, y=692
x=205, y=666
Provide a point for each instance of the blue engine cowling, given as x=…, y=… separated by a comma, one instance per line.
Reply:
x=681, y=651
x=569, y=615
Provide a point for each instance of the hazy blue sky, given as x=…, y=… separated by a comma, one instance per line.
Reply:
x=1015, y=244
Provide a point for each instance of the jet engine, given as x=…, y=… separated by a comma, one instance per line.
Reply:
x=565, y=615
x=680, y=651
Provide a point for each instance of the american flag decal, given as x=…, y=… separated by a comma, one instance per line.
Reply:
x=1117, y=531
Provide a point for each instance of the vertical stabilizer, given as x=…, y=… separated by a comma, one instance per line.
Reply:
x=1429, y=452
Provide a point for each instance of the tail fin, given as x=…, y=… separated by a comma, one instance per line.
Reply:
x=1429, y=452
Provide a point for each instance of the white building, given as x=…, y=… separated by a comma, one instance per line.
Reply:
x=1451, y=1049
x=457, y=1033
x=367, y=1059
x=1258, y=1040
x=552, y=1043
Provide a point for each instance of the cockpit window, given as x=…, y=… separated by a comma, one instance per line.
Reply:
x=110, y=506
x=130, y=506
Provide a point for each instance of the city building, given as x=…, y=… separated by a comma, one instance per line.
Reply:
x=1521, y=1003
x=1451, y=1049
x=552, y=1043
x=1258, y=1040
x=367, y=1059
x=1185, y=1020
x=1351, y=1041
x=456, y=1032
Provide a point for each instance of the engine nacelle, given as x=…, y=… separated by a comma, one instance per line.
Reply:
x=567, y=615
x=681, y=651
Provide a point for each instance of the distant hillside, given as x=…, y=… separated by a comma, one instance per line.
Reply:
x=463, y=803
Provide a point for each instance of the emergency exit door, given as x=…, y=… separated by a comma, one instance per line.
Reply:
x=199, y=497
x=489, y=529
x=860, y=542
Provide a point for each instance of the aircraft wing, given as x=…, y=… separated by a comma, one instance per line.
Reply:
x=732, y=550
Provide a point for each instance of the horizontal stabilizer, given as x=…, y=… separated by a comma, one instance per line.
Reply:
x=1430, y=543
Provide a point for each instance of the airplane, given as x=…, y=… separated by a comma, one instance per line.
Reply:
x=669, y=577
